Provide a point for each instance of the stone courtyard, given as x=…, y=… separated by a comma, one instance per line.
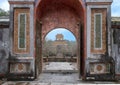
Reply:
x=52, y=76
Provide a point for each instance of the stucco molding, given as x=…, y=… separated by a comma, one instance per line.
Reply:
x=21, y=1
x=100, y=1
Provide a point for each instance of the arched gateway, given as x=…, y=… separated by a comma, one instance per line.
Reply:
x=88, y=20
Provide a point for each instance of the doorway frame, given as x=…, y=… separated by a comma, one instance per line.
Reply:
x=83, y=43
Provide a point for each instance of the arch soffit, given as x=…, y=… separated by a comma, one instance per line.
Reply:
x=39, y=1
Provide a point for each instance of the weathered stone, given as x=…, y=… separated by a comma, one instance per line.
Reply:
x=43, y=16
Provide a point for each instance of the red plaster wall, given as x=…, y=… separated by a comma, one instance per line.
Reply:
x=63, y=17
x=62, y=14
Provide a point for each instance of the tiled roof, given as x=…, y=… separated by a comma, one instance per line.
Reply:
x=115, y=21
x=4, y=21
x=4, y=18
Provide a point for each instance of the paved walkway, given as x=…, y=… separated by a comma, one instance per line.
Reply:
x=60, y=67
x=58, y=78
x=39, y=83
x=68, y=76
x=59, y=72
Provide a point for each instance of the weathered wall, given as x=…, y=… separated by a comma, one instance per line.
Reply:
x=38, y=52
x=98, y=60
x=69, y=14
x=116, y=50
x=4, y=51
x=53, y=14
x=64, y=18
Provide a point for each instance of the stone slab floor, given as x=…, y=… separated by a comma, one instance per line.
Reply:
x=39, y=83
x=57, y=73
x=60, y=67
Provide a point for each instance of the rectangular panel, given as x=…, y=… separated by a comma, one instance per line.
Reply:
x=99, y=68
x=21, y=43
x=22, y=31
x=20, y=67
x=98, y=31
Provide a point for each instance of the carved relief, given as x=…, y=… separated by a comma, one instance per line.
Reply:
x=19, y=68
x=99, y=68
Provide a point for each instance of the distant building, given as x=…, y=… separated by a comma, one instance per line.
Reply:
x=60, y=40
x=60, y=45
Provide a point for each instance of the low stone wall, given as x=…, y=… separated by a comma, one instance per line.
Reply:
x=66, y=59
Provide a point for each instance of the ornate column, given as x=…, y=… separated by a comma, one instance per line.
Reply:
x=21, y=59
x=99, y=62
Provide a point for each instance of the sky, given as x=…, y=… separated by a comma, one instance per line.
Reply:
x=66, y=33
x=115, y=11
x=115, y=7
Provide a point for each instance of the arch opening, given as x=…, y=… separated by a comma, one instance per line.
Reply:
x=68, y=14
x=60, y=47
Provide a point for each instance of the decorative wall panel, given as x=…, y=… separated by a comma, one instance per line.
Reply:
x=98, y=31
x=99, y=68
x=21, y=31
x=20, y=68
x=100, y=37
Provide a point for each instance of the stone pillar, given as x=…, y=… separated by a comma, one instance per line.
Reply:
x=21, y=59
x=98, y=39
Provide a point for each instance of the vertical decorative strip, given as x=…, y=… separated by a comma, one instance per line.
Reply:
x=98, y=31
x=22, y=31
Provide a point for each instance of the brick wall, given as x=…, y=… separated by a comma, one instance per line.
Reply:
x=64, y=18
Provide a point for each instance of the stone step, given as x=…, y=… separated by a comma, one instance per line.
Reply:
x=39, y=83
x=60, y=71
x=60, y=67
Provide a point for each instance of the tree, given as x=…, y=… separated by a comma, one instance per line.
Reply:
x=48, y=49
x=3, y=12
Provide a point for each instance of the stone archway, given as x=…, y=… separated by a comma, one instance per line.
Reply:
x=67, y=14
x=35, y=18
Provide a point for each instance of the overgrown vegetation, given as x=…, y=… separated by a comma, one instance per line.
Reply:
x=3, y=12
x=50, y=50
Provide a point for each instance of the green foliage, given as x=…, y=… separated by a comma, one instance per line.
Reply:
x=49, y=50
x=3, y=12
